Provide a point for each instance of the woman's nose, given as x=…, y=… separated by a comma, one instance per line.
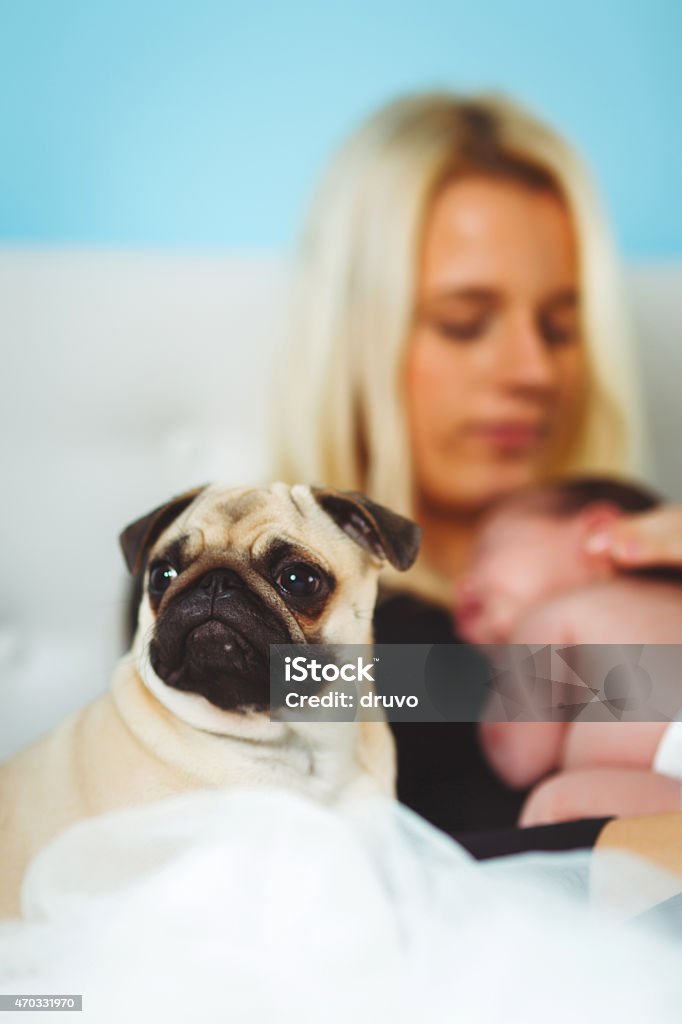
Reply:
x=527, y=361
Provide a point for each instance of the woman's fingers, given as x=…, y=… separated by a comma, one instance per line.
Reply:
x=649, y=538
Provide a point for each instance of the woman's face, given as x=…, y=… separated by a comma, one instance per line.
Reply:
x=495, y=365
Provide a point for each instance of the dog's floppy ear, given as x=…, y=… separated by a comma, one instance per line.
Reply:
x=383, y=533
x=137, y=539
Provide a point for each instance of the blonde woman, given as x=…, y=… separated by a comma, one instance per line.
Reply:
x=457, y=331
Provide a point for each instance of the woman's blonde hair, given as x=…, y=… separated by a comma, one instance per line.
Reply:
x=340, y=416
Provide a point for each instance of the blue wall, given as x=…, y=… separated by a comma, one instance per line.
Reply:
x=204, y=123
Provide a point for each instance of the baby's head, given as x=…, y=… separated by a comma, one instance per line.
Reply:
x=533, y=546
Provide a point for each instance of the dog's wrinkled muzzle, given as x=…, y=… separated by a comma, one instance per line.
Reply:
x=213, y=639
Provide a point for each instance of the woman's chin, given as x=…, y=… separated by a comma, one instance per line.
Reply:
x=476, y=493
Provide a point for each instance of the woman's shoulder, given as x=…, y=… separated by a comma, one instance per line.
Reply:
x=404, y=618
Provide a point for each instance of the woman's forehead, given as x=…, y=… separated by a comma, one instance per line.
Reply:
x=497, y=232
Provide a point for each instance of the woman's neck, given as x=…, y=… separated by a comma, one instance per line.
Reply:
x=446, y=545
x=447, y=539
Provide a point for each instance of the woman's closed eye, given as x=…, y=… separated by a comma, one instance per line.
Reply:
x=559, y=321
x=465, y=314
x=559, y=330
x=469, y=329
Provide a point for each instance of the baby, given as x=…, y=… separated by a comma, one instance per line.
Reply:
x=533, y=579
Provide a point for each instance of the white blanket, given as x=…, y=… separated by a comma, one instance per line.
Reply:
x=258, y=905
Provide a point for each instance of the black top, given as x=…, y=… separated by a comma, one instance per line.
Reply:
x=442, y=773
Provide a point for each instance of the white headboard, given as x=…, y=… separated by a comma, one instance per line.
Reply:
x=130, y=377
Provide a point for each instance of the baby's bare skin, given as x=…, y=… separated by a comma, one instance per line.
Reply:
x=604, y=768
x=533, y=580
x=600, y=793
x=621, y=610
x=619, y=754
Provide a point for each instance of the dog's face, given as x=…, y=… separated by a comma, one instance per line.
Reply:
x=228, y=572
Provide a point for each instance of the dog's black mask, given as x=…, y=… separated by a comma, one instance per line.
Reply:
x=213, y=639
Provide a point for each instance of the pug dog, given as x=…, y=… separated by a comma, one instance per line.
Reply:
x=226, y=573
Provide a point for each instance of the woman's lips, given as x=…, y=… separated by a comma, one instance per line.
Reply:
x=509, y=435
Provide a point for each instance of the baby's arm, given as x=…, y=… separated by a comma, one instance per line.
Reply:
x=521, y=753
x=598, y=792
x=614, y=744
x=600, y=612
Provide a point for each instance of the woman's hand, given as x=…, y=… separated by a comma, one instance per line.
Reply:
x=648, y=538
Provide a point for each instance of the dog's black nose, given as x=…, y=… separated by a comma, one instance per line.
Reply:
x=219, y=581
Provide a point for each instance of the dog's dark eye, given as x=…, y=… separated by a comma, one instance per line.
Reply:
x=299, y=580
x=160, y=577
